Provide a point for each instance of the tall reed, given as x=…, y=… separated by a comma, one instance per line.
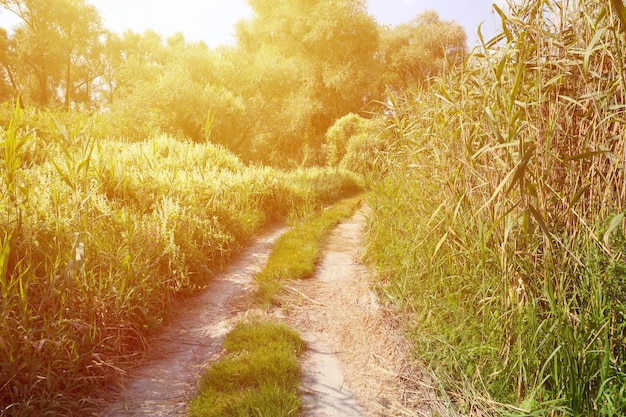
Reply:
x=500, y=225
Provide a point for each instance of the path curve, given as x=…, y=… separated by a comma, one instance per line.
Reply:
x=358, y=363
x=162, y=385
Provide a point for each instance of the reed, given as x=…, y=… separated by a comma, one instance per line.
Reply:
x=499, y=222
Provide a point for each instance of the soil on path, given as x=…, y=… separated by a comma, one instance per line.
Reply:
x=162, y=385
x=359, y=363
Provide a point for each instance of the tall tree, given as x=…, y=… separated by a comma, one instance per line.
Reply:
x=323, y=53
x=412, y=53
x=80, y=30
x=54, y=37
x=7, y=79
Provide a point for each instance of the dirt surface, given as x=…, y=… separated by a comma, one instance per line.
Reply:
x=358, y=362
x=162, y=384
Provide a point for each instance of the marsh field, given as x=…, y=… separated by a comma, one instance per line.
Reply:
x=133, y=168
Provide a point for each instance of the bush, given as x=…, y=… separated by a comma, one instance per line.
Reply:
x=353, y=143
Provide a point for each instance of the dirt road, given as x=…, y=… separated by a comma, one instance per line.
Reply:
x=162, y=385
x=358, y=362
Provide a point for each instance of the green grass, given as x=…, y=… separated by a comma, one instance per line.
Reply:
x=297, y=251
x=156, y=219
x=259, y=375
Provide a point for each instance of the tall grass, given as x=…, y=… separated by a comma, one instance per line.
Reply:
x=99, y=237
x=499, y=224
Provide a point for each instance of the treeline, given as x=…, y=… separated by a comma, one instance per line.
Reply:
x=297, y=67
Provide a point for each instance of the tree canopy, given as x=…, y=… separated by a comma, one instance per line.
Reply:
x=297, y=67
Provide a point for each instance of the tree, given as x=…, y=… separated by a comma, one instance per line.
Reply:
x=413, y=53
x=7, y=79
x=55, y=38
x=151, y=85
x=80, y=28
x=317, y=60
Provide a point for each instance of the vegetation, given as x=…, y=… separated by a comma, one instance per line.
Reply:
x=298, y=250
x=258, y=376
x=99, y=237
x=499, y=223
x=132, y=167
x=296, y=68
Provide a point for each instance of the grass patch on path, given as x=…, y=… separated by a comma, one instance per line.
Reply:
x=259, y=375
x=297, y=251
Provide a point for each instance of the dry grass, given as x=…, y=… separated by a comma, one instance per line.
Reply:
x=338, y=309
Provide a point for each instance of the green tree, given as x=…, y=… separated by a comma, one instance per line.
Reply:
x=53, y=39
x=415, y=52
x=129, y=60
x=317, y=62
x=168, y=81
x=7, y=79
x=80, y=28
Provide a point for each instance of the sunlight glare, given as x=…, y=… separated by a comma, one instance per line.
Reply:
x=211, y=21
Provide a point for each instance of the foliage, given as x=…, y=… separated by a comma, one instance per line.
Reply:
x=297, y=251
x=296, y=68
x=414, y=53
x=57, y=45
x=258, y=376
x=100, y=237
x=499, y=224
x=353, y=142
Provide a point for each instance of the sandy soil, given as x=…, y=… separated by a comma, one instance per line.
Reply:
x=162, y=384
x=358, y=362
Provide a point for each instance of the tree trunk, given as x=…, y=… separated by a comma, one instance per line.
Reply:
x=68, y=80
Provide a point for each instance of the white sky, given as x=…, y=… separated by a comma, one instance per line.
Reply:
x=213, y=20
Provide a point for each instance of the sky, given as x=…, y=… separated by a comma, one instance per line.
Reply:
x=212, y=21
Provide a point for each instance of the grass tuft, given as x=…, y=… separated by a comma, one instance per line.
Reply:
x=259, y=374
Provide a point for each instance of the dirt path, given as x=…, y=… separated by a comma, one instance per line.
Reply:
x=359, y=362
x=162, y=385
